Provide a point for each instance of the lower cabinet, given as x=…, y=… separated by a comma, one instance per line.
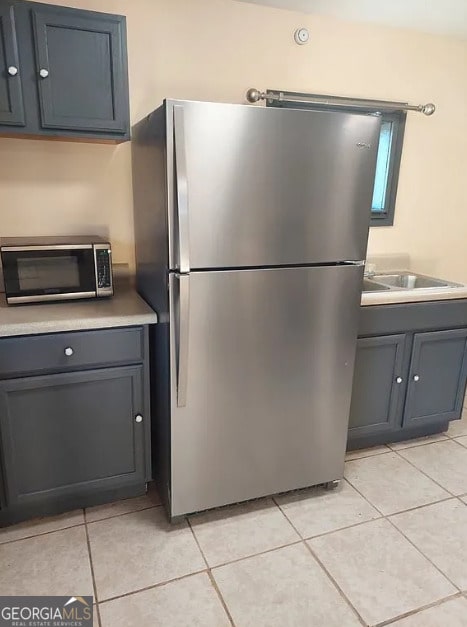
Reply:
x=437, y=377
x=69, y=433
x=377, y=394
x=74, y=439
x=407, y=385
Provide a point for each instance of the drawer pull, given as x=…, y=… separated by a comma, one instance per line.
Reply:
x=69, y=351
x=416, y=378
x=139, y=418
x=399, y=380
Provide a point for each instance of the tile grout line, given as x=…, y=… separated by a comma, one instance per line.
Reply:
x=391, y=621
x=221, y=598
x=326, y=533
x=450, y=497
x=445, y=438
x=424, y=473
x=422, y=553
x=387, y=517
x=404, y=448
x=353, y=459
x=88, y=543
x=402, y=511
x=335, y=584
x=135, y=511
x=210, y=575
x=323, y=568
x=190, y=526
x=38, y=535
x=273, y=499
x=151, y=587
x=454, y=437
x=85, y=522
x=247, y=557
x=365, y=499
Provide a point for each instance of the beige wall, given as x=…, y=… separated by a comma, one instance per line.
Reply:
x=215, y=50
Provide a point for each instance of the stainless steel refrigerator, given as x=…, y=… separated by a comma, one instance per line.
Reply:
x=251, y=226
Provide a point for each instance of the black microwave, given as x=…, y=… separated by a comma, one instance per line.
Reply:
x=43, y=269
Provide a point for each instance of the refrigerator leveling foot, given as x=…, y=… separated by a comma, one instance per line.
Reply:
x=331, y=485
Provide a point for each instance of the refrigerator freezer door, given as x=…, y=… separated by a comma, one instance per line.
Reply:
x=265, y=186
x=268, y=375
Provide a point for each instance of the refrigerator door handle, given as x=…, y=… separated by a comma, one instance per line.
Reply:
x=183, y=339
x=182, y=189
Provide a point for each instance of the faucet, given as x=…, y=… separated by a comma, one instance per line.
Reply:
x=370, y=270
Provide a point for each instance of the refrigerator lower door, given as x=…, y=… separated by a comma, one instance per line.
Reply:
x=261, y=376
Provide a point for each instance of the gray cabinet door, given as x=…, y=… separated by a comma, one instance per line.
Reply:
x=377, y=394
x=11, y=96
x=70, y=434
x=81, y=70
x=437, y=377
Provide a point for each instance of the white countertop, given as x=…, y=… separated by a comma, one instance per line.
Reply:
x=124, y=309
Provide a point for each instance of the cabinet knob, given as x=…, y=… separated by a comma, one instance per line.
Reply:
x=416, y=378
x=139, y=418
x=399, y=380
x=69, y=351
x=43, y=73
x=12, y=70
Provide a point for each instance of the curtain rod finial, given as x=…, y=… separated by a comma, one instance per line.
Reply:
x=254, y=95
x=428, y=109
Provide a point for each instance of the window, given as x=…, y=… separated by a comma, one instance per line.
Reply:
x=387, y=163
x=387, y=168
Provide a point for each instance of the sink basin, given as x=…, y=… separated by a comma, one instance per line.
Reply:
x=411, y=281
x=372, y=286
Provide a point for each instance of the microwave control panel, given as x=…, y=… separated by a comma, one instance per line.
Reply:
x=103, y=271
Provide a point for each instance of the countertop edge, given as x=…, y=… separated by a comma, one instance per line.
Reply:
x=125, y=309
x=401, y=297
x=91, y=324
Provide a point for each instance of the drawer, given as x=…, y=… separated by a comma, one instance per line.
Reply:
x=70, y=351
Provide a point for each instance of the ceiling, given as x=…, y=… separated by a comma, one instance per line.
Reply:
x=443, y=17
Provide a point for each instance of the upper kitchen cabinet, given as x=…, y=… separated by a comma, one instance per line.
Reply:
x=81, y=70
x=72, y=68
x=11, y=95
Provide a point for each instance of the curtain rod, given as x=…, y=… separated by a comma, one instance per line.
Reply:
x=254, y=95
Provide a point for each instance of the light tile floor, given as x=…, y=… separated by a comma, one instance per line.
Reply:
x=389, y=546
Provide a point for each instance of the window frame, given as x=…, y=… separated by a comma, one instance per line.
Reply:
x=377, y=218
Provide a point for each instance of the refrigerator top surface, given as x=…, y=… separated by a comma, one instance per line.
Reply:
x=254, y=186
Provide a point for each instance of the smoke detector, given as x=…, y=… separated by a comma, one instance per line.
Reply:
x=302, y=36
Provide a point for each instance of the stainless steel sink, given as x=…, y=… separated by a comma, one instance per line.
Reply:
x=411, y=281
x=372, y=286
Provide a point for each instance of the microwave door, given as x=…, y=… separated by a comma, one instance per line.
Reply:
x=47, y=274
